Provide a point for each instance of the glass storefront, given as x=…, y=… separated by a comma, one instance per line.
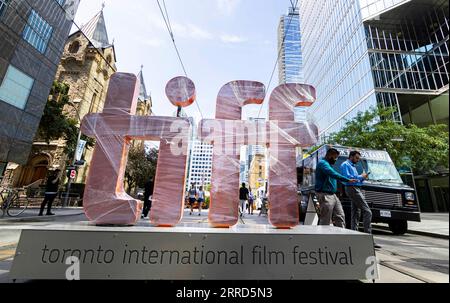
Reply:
x=424, y=110
x=433, y=193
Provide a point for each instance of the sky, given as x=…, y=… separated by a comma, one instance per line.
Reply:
x=219, y=41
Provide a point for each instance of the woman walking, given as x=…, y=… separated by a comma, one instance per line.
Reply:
x=51, y=191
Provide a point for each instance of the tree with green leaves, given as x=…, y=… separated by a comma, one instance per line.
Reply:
x=56, y=124
x=423, y=149
x=141, y=167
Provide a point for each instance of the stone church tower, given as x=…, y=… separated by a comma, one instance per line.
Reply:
x=87, y=64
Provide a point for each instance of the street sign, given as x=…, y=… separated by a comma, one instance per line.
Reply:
x=73, y=174
x=80, y=149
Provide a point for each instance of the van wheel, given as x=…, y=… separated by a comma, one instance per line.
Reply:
x=398, y=227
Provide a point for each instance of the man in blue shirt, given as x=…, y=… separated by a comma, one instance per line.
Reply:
x=353, y=191
x=326, y=188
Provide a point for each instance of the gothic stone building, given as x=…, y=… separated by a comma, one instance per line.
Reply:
x=88, y=62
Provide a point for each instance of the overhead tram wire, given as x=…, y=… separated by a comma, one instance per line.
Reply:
x=165, y=15
x=294, y=6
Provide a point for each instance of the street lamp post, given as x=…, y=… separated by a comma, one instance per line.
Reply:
x=74, y=159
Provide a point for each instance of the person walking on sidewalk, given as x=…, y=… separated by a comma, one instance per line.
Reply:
x=251, y=201
x=192, y=194
x=148, y=192
x=200, y=199
x=353, y=191
x=326, y=188
x=51, y=191
x=243, y=198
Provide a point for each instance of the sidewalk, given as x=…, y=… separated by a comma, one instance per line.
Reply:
x=31, y=215
x=433, y=225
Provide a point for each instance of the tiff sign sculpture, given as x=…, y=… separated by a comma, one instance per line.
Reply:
x=105, y=200
x=281, y=134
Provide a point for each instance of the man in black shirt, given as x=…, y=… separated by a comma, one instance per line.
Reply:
x=243, y=197
x=51, y=191
x=148, y=192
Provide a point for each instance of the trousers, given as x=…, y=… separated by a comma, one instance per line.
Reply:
x=331, y=210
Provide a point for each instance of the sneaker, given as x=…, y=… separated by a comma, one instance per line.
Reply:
x=377, y=246
x=50, y=214
x=40, y=215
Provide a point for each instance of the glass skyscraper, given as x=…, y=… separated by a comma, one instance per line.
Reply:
x=290, y=69
x=365, y=53
x=289, y=43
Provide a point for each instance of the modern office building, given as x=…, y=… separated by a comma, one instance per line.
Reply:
x=32, y=39
x=252, y=150
x=365, y=53
x=289, y=45
x=290, y=65
x=199, y=158
x=200, y=164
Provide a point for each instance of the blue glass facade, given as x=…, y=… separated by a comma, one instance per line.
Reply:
x=359, y=54
x=336, y=61
x=290, y=65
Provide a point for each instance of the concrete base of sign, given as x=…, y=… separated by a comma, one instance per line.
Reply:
x=86, y=252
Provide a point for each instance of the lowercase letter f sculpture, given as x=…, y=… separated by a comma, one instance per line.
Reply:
x=285, y=136
x=228, y=133
x=105, y=200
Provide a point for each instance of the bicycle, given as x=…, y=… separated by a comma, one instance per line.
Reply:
x=13, y=201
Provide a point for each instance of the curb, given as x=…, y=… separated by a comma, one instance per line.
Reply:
x=417, y=232
x=37, y=219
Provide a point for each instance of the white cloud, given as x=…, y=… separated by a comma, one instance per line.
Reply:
x=153, y=42
x=191, y=31
x=227, y=7
x=232, y=39
x=155, y=24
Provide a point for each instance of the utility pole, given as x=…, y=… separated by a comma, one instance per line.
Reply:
x=74, y=159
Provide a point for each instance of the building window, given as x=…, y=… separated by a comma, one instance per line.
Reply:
x=74, y=47
x=94, y=105
x=16, y=87
x=3, y=4
x=37, y=32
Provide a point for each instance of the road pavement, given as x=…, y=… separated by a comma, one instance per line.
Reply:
x=410, y=258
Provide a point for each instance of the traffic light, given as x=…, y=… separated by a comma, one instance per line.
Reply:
x=71, y=172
